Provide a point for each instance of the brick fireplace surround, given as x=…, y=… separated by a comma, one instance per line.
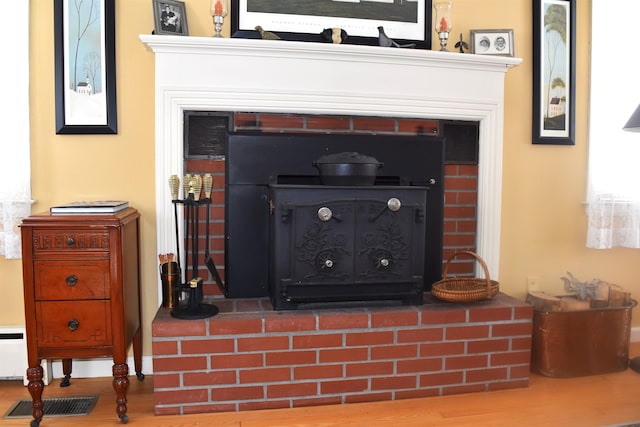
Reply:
x=251, y=357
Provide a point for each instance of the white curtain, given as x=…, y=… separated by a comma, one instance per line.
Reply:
x=15, y=165
x=613, y=196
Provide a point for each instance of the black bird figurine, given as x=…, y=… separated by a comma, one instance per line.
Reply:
x=266, y=35
x=386, y=41
x=462, y=44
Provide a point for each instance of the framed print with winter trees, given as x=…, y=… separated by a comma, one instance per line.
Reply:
x=85, y=77
x=554, y=82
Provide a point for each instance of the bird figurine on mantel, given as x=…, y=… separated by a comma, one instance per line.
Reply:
x=266, y=35
x=386, y=41
x=462, y=45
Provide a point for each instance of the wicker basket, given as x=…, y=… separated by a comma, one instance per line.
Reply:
x=465, y=289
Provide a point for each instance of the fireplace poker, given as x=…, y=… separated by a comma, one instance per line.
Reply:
x=211, y=265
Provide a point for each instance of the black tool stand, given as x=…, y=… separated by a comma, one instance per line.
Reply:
x=193, y=308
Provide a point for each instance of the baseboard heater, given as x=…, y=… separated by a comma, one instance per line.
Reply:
x=13, y=353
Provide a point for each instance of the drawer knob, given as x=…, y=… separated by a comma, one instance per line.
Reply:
x=72, y=280
x=73, y=324
x=70, y=241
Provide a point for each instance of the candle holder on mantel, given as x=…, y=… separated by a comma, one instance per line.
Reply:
x=443, y=22
x=219, y=10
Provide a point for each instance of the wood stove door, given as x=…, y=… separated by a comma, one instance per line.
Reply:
x=323, y=243
x=385, y=240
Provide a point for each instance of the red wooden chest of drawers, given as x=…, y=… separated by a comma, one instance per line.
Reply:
x=82, y=295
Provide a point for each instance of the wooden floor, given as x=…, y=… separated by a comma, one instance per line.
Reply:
x=601, y=400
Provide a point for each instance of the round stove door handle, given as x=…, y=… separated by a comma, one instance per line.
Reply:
x=325, y=214
x=394, y=204
x=383, y=263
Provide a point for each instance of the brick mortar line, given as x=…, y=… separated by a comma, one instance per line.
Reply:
x=350, y=330
x=319, y=394
x=344, y=346
x=239, y=370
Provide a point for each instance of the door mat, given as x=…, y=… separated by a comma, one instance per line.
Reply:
x=54, y=407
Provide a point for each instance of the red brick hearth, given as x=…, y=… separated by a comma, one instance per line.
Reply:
x=251, y=357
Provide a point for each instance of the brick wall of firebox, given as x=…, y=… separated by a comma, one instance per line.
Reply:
x=460, y=185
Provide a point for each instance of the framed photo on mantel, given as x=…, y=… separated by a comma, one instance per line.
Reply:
x=303, y=20
x=85, y=68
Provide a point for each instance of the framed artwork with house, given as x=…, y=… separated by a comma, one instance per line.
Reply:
x=554, y=73
x=85, y=73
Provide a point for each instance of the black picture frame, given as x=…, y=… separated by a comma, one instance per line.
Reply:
x=99, y=86
x=307, y=26
x=178, y=25
x=554, y=72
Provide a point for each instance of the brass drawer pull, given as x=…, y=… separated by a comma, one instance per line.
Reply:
x=73, y=324
x=70, y=241
x=72, y=280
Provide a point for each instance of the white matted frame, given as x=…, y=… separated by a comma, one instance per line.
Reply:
x=492, y=42
x=406, y=21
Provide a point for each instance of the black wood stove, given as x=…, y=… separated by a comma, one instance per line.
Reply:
x=307, y=244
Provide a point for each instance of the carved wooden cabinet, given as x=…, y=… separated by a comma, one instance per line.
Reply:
x=82, y=295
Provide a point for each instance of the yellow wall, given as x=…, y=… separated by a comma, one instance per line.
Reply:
x=543, y=220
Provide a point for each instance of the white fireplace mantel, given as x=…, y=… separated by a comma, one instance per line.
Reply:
x=211, y=74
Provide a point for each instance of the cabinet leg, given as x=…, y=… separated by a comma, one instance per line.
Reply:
x=121, y=385
x=137, y=354
x=35, y=387
x=66, y=370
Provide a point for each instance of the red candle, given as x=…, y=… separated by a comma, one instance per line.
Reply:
x=217, y=10
x=444, y=25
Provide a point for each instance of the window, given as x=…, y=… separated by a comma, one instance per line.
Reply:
x=15, y=166
x=613, y=194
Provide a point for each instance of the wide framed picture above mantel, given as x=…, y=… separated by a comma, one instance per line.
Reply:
x=304, y=20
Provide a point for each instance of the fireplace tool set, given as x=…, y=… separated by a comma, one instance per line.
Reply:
x=171, y=271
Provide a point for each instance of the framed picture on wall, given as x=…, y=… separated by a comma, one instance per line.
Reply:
x=554, y=71
x=405, y=22
x=85, y=79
